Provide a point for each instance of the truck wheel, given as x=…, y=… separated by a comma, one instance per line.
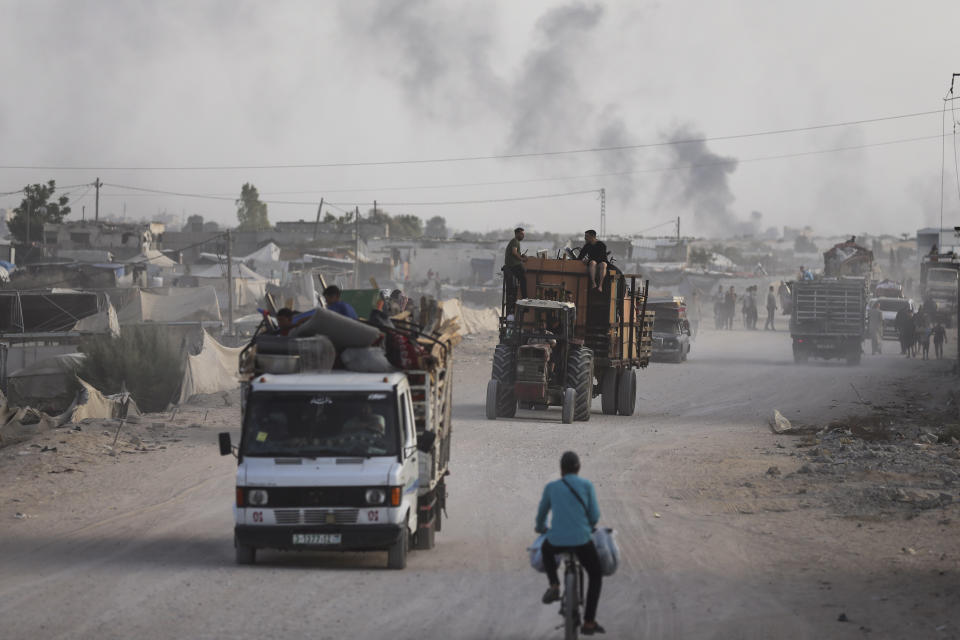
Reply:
x=504, y=372
x=424, y=539
x=569, y=403
x=799, y=355
x=246, y=554
x=853, y=355
x=627, y=392
x=580, y=379
x=397, y=553
x=493, y=391
x=608, y=391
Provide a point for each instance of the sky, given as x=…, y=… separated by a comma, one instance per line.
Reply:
x=200, y=96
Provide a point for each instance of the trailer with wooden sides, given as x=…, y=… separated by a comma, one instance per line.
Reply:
x=604, y=337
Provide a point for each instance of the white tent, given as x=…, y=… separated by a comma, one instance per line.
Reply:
x=171, y=305
x=212, y=370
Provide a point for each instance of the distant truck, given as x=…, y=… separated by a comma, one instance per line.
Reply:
x=938, y=286
x=829, y=318
x=671, y=329
x=888, y=312
x=336, y=459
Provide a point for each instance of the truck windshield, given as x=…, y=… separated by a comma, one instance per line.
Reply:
x=947, y=276
x=317, y=424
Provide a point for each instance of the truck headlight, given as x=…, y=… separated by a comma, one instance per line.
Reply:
x=375, y=496
x=257, y=497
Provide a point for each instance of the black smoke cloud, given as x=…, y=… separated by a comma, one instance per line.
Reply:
x=700, y=184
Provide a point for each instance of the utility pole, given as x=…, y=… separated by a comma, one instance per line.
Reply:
x=316, y=226
x=678, y=231
x=356, y=247
x=28, y=225
x=96, y=210
x=603, y=213
x=229, y=285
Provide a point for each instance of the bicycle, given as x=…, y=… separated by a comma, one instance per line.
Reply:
x=572, y=595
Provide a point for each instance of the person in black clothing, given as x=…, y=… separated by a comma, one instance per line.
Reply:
x=594, y=253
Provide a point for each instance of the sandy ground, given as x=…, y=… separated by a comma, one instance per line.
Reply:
x=843, y=539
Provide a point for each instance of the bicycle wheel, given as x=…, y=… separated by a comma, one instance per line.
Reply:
x=571, y=605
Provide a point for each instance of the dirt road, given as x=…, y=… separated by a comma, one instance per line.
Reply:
x=715, y=543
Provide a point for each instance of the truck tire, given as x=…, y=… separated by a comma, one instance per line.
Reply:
x=397, y=553
x=800, y=355
x=627, y=392
x=493, y=392
x=245, y=554
x=568, y=406
x=505, y=372
x=853, y=355
x=608, y=391
x=580, y=379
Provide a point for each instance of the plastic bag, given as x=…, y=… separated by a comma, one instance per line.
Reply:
x=536, y=556
x=366, y=359
x=608, y=551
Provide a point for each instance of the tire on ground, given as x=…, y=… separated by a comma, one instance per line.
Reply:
x=397, y=553
x=580, y=379
x=608, y=391
x=627, y=392
x=504, y=372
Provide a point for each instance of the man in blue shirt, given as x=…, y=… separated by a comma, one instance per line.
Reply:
x=332, y=295
x=575, y=514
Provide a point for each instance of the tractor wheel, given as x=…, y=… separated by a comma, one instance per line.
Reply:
x=493, y=390
x=627, y=392
x=608, y=391
x=580, y=379
x=504, y=372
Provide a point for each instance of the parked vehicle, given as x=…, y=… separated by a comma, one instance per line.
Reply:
x=938, y=286
x=338, y=460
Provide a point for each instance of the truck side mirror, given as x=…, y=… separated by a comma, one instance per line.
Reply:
x=226, y=448
x=426, y=440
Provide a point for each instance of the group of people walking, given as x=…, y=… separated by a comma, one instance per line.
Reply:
x=725, y=308
x=916, y=331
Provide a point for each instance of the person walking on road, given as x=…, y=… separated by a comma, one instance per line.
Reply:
x=939, y=337
x=729, y=307
x=904, y=325
x=573, y=501
x=875, y=330
x=771, y=310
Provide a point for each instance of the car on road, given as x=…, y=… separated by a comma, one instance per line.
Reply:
x=671, y=339
x=888, y=309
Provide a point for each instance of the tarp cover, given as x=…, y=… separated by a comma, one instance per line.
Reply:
x=212, y=370
x=171, y=305
x=48, y=385
x=471, y=320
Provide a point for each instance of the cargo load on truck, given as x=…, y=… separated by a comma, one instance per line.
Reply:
x=568, y=342
x=345, y=440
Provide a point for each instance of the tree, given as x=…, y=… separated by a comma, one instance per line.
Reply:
x=436, y=228
x=38, y=206
x=251, y=212
x=406, y=226
x=194, y=224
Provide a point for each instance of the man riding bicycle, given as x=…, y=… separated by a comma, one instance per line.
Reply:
x=575, y=514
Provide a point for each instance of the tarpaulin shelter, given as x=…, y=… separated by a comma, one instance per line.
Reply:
x=33, y=313
x=212, y=370
x=171, y=305
x=49, y=385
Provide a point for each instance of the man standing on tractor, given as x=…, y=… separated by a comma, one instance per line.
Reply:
x=594, y=253
x=513, y=267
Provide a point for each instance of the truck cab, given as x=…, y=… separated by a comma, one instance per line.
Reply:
x=671, y=329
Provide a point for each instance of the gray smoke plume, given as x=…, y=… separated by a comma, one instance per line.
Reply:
x=439, y=54
x=702, y=188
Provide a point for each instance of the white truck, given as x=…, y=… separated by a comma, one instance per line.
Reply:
x=337, y=460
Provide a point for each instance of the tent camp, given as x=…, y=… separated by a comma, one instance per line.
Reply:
x=48, y=385
x=212, y=370
x=171, y=305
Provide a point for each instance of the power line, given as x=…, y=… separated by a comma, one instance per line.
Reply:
x=505, y=156
x=722, y=161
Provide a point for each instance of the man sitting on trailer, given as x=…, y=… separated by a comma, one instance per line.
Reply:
x=594, y=253
x=332, y=295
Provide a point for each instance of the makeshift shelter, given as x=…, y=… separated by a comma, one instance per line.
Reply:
x=212, y=370
x=469, y=319
x=57, y=311
x=171, y=306
x=48, y=385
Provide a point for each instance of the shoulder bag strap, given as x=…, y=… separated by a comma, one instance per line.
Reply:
x=577, y=496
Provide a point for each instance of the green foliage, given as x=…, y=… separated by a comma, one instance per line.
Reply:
x=37, y=200
x=436, y=228
x=700, y=256
x=406, y=226
x=145, y=359
x=251, y=212
x=732, y=253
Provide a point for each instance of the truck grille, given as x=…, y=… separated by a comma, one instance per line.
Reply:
x=315, y=516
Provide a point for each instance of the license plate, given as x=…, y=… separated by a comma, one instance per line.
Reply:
x=316, y=538
x=824, y=346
